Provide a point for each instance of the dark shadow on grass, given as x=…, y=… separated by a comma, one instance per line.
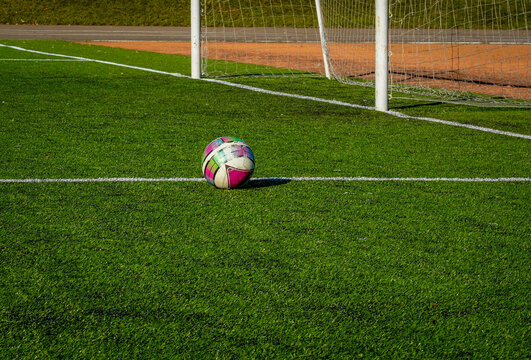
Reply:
x=418, y=105
x=261, y=75
x=266, y=182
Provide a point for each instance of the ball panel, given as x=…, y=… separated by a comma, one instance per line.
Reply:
x=239, y=171
x=237, y=177
x=248, y=152
x=220, y=180
x=210, y=170
x=242, y=163
x=218, y=142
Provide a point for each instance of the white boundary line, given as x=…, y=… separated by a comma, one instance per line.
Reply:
x=278, y=93
x=405, y=179
x=272, y=179
x=93, y=180
x=41, y=60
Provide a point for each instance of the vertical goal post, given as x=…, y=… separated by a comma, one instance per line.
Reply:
x=381, y=70
x=322, y=36
x=195, y=30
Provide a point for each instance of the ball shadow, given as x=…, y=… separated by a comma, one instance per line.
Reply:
x=267, y=182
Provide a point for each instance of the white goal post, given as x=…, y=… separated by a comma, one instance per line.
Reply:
x=195, y=30
x=324, y=46
x=381, y=69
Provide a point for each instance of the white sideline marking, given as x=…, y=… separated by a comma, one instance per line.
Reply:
x=346, y=179
x=113, y=179
x=419, y=179
x=279, y=93
x=296, y=96
x=41, y=60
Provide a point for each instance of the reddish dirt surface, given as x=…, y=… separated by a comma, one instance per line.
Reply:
x=486, y=69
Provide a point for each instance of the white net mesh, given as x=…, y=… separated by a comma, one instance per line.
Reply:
x=259, y=37
x=478, y=46
x=451, y=50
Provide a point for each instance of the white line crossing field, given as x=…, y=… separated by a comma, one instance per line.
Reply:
x=42, y=60
x=272, y=179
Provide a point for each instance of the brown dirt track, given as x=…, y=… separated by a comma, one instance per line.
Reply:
x=479, y=68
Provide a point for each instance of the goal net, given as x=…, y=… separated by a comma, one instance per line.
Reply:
x=453, y=50
x=259, y=37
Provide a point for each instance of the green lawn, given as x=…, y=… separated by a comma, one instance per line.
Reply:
x=280, y=269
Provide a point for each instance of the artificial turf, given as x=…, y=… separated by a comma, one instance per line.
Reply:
x=279, y=269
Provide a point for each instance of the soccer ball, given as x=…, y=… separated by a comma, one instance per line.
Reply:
x=228, y=162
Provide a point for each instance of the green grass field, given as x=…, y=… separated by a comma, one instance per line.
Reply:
x=279, y=269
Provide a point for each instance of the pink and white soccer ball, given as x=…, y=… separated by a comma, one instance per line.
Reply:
x=228, y=162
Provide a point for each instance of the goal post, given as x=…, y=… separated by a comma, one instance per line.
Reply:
x=381, y=69
x=322, y=36
x=195, y=31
